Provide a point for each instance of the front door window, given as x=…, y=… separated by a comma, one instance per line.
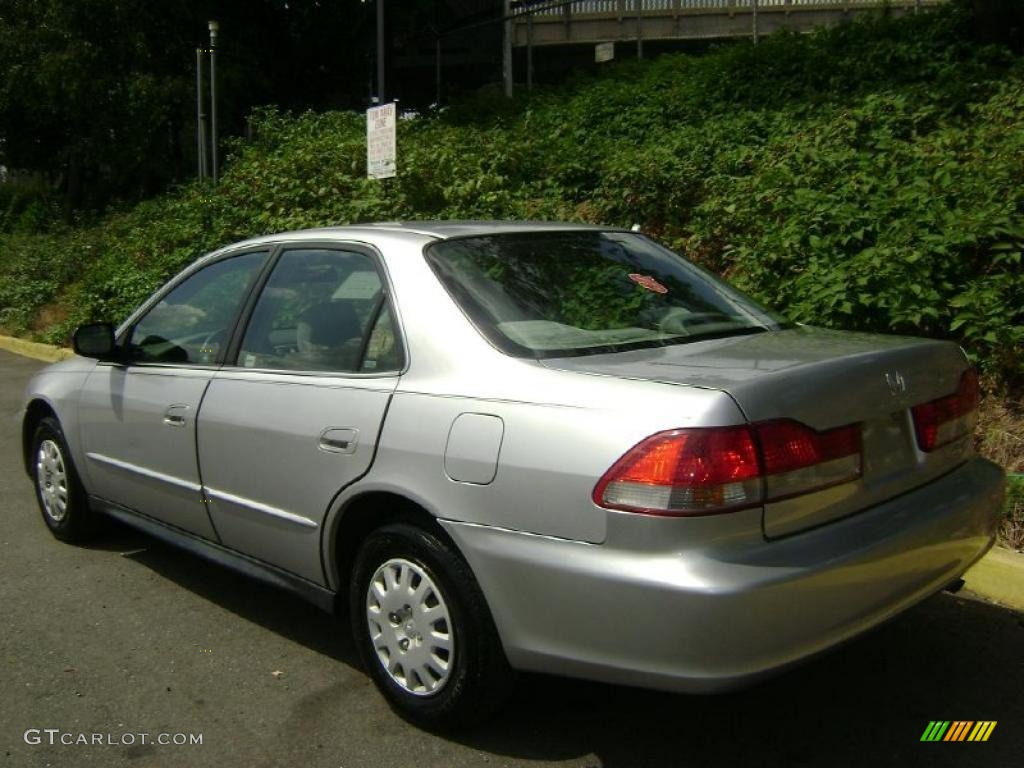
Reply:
x=191, y=323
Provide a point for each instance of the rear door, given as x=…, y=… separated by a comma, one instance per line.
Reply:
x=297, y=415
x=138, y=419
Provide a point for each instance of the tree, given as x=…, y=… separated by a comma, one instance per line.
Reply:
x=97, y=96
x=87, y=96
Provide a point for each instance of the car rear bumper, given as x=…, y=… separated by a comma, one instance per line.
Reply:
x=708, y=619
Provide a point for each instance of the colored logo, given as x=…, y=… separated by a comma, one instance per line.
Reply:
x=958, y=730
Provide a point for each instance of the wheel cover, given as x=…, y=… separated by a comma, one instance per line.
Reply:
x=410, y=627
x=52, y=480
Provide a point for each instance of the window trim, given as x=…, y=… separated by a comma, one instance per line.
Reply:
x=233, y=348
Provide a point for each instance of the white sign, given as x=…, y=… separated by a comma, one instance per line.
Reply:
x=604, y=52
x=380, y=142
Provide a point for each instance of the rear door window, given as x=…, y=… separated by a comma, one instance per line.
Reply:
x=322, y=310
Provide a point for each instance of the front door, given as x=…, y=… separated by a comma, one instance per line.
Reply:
x=138, y=419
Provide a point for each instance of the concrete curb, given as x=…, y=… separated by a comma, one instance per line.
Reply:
x=999, y=576
x=35, y=350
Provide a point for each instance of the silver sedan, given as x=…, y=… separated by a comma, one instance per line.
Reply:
x=514, y=447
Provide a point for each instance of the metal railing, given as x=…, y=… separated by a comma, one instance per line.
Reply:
x=532, y=23
x=541, y=8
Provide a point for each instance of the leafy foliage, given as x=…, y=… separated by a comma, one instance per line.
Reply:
x=865, y=177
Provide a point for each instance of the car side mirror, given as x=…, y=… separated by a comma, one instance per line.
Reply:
x=95, y=340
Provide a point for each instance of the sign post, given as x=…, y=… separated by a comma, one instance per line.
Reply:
x=380, y=142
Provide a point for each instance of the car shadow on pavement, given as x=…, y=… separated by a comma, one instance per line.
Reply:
x=265, y=605
x=867, y=703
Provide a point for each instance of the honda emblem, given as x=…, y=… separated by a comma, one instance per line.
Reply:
x=897, y=384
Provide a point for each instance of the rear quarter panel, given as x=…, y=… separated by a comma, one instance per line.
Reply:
x=553, y=450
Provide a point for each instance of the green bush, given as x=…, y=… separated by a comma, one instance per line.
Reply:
x=27, y=204
x=863, y=177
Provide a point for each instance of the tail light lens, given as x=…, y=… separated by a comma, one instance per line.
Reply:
x=703, y=471
x=798, y=459
x=685, y=472
x=946, y=419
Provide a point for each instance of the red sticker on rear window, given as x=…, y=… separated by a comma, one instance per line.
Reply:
x=648, y=282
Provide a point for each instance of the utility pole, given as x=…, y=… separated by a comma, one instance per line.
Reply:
x=753, y=20
x=200, y=117
x=214, y=29
x=639, y=29
x=381, y=90
x=506, y=57
x=437, y=71
x=529, y=50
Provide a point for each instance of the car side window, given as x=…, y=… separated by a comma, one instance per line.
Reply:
x=192, y=323
x=321, y=310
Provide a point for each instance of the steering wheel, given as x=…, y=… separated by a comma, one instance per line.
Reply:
x=212, y=340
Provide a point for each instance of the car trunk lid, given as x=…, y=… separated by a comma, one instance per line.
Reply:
x=823, y=379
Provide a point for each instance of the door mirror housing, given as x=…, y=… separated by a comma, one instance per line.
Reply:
x=96, y=340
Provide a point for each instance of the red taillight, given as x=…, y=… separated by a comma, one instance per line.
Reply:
x=685, y=472
x=708, y=470
x=798, y=459
x=946, y=419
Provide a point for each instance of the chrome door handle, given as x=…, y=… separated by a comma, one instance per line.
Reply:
x=175, y=416
x=338, y=440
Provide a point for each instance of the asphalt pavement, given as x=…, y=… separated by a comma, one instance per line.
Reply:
x=129, y=637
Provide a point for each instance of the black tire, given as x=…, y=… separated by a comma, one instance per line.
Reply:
x=479, y=679
x=74, y=522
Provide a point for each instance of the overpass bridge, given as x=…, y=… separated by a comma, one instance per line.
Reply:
x=547, y=23
x=556, y=22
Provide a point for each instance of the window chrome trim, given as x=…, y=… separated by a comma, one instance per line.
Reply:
x=282, y=514
x=238, y=372
x=154, y=367
x=150, y=473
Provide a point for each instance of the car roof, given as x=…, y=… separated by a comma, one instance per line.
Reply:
x=468, y=228
x=441, y=230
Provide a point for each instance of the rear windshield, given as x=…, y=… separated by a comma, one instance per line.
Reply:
x=553, y=294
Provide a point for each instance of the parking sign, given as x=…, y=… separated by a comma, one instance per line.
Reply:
x=380, y=141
